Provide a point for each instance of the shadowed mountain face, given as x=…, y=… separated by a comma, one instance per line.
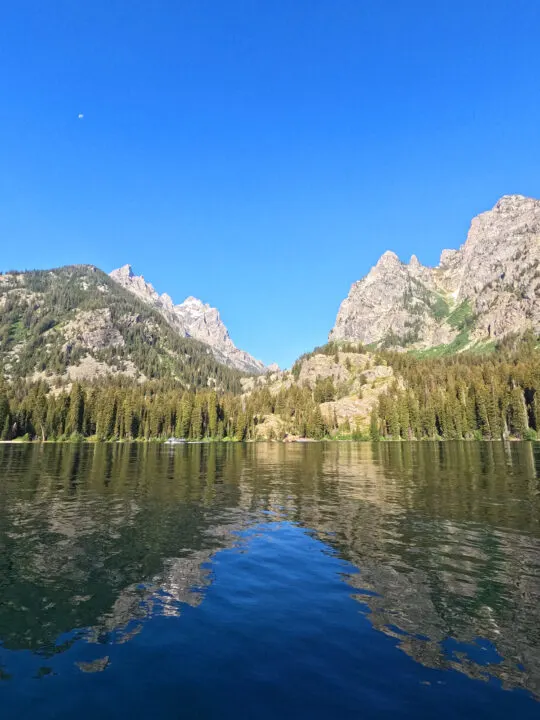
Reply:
x=427, y=552
x=487, y=289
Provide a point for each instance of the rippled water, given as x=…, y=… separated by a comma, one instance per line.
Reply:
x=266, y=581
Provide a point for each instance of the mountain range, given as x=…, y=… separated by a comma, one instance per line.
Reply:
x=77, y=322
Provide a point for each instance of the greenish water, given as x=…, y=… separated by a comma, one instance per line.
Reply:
x=269, y=580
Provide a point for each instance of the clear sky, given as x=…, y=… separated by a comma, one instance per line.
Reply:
x=261, y=154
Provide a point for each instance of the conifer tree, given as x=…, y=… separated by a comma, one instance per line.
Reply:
x=212, y=410
x=184, y=424
x=196, y=431
x=517, y=413
x=393, y=422
x=76, y=410
x=374, y=426
x=536, y=409
x=4, y=411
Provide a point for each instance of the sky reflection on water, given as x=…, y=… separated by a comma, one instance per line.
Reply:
x=270, y=580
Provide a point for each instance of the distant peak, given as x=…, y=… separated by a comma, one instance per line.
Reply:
x=166, y=300
x=124, y=271
x=513, y=197
x=193, y=301
x=510, y=202
x=414, y=262
x=388, y=258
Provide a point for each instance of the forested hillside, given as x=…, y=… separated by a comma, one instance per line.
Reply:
x=464, y=396
x=337, y=391
x=75, y=323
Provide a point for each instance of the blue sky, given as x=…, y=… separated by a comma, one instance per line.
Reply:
x=261, y=155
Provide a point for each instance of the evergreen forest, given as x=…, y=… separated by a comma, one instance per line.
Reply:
x=465, y=396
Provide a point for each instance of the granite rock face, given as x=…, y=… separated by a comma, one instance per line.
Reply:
x=192, y=318
x=357, y=378
x=487, y=289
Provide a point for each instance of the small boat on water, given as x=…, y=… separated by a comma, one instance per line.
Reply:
x=175, y=441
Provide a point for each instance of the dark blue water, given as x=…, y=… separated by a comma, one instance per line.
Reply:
x=270, y=581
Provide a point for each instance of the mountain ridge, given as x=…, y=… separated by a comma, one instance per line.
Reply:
x=76, y=323
x=191, y=318
x=486, y=289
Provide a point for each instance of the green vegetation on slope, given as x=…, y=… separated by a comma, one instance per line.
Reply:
x=469, y=395
x=465, y=396
x=462, y=316
x=37, y=307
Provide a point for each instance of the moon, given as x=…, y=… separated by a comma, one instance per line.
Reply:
x=80, y=116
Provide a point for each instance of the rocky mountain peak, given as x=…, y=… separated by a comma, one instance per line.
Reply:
x=194, y=302
x=488, y=288
x=124, y=271
x=191, y=318
x=166, y=301
x=389, y=259
x=510, y=203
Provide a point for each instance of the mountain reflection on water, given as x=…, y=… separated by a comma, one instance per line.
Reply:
x=439, y=544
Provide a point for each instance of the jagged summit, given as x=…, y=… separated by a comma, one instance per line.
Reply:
x=191, y=318
x=513, y=201
x=194, y=302
x=488, y=288
x=388, y=259
x=125, y=271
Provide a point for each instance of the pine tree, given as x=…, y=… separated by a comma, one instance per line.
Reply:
x=394, y=426
x=76, y=410
x=106, y=414
x=6, y=428
x=241, y=426
x=184, y=424
x=494, y=413
x=39, y=411
x=481, y=410
x=518, y=413
x=196, y=431
x=318, y=427
x=536, y=410
x=129, y=421
x=403, y=416
x=4, y=412
x=374, y=426
x=429, y=420
x=212, y=411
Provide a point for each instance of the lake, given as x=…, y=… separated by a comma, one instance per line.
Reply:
x=333, y=580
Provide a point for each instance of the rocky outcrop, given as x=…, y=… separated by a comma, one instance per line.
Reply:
x=192, y=318
x=487, y=289
x=92, y=329
x=357, y=380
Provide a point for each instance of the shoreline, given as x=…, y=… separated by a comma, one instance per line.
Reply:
x=301, y=441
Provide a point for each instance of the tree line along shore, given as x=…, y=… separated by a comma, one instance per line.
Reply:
x=466, y=396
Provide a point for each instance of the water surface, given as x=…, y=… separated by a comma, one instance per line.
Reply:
x=264, y=581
